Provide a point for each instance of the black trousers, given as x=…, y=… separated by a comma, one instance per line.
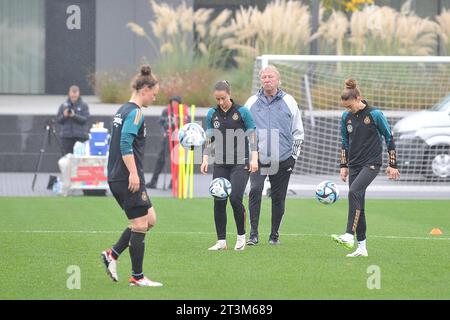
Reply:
x=68, y=143
x=278, y=188
x=160, y=162
x=359, y=179
x=238, y=176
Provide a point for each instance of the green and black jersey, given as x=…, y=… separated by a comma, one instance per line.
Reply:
x=128, y=137
x=362, y=134
x=232, y=133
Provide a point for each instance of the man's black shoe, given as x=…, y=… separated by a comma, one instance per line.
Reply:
x=274, y=241
x=150, y=185
x=252, y=241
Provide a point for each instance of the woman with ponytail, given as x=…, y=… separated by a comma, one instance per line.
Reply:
x=126, y=178
x=362, y=127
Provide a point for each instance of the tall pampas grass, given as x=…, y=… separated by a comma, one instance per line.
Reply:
x=380, y=31
x=193, y=46
x=283, y=27
x=174, y=29
x=391, y=32
x=189, y=48
x=416, y=36
x=332, y=32
x=444, y=29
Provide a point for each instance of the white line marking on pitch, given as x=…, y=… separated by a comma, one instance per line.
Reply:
x=386, y=188
x=212, y=233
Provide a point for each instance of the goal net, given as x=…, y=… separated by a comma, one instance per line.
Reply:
x=413, y=93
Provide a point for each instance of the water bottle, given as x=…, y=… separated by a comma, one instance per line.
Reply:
x=79, y=149
x=87, y=148
x=57, y=186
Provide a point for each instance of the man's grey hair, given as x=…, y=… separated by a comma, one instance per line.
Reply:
x=271, y=68
x=74, y=88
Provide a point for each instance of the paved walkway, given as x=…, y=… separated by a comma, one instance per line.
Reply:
x=48, y=105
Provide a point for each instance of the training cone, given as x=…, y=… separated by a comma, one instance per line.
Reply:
x=436, y=231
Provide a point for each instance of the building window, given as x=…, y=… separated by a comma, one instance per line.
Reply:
x=22, y=46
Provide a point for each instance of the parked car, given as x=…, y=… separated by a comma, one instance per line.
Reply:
x=423, y=141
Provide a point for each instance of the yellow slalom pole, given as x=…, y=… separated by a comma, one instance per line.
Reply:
x=186, y=174
x=191, y=156
x=186, y=170
x=181, y=156
x=186, y=154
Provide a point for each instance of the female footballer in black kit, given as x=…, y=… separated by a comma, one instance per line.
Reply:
x=362, y=129
x=126, y=178
x=230, y=121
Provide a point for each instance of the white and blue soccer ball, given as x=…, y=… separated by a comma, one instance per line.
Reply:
x=191, y=135
x=220, y=188
x=327, y=192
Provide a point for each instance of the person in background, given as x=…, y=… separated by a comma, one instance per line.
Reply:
x=73, y=116
x=165, y=121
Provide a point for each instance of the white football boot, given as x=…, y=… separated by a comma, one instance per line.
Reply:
x=359, y=252
x=110, y=264
x=346, y=240
x=220, y=245
x=144, y=282
x=240, y=243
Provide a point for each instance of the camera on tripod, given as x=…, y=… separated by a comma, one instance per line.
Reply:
x=50, y=131
x=50, y=123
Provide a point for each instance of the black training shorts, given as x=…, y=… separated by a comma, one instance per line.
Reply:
x=134, y=204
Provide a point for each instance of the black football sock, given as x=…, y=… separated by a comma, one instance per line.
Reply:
x=220, y=218
x=122, y=243
x=137, y=248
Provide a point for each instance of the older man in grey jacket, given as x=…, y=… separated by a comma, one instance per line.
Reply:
x=280, y=135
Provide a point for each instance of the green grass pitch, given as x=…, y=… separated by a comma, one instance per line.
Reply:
x=41, y=237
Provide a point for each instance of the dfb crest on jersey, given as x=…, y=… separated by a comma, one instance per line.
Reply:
x=117, y=121
x=350, y=128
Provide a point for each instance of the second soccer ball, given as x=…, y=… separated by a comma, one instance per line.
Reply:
x=327, y=192
x=220, y=188
x=191, y=135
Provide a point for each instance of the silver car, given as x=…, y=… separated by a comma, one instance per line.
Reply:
x=423, y=142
